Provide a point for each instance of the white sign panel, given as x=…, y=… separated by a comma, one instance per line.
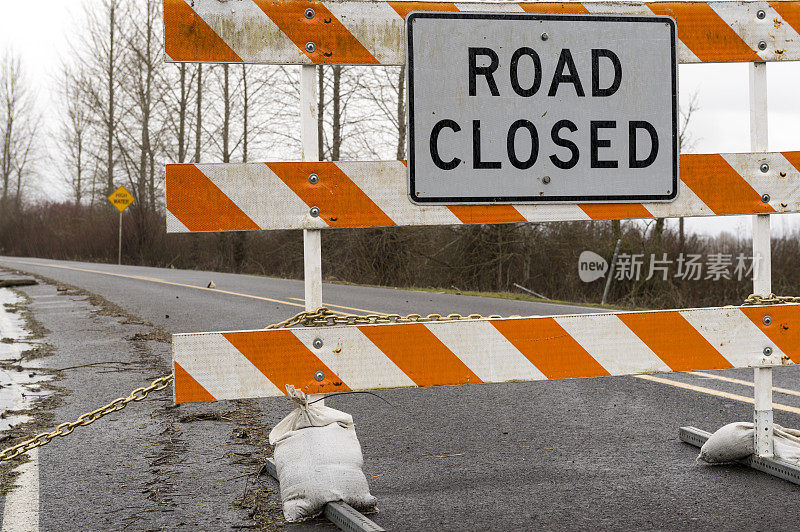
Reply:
x=524, y=108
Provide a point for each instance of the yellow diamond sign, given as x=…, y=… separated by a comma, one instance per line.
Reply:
x=121, y=198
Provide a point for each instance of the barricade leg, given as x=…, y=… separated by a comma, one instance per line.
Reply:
x=312, y=238
x=762, y=258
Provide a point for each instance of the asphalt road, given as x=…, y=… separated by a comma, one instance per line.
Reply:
x=556, y=455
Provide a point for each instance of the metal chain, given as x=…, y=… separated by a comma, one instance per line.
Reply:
x=86, y=419
x=772, y=299
x=323, y=317
x=319, y=318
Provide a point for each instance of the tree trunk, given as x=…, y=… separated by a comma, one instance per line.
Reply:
x=320, y=110
x=226, y=119
x=401, y=114
x=183, y=104
x=336, y=142
x=199, y=120
x=245, y=111
x=111, y=125
x=658, y=230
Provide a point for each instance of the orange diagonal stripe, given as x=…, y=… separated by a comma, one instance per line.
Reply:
x=675, y=341
x=341, y=202
x=404, y=8
x=333, y=41
x=784, y=329
x=553, y=7
x=200, y=205
x=283, y=359
x=486, y=214
x=419, y=354
x=550, y=348
x=188, y=390
x=614, y=211
x=187, y=37
x=790, y=12
x=793, y=157
x=704, y=32
x=719, y=186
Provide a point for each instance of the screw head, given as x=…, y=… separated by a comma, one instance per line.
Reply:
x=767, y=351
x=313, y=179
x=317, y=343
x=319, y=376
x=762, y=45
x=310, y=13
x=767, y=320
x=314, y=211
x=545, y=36
x=761, y=14
x=546, y=179
x=765, y=198
x=310, y=47
x=764, y=168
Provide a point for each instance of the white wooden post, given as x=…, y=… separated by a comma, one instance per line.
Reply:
x=762, y=259
x=312, y=238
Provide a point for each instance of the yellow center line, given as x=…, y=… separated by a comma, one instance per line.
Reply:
x=171, y=283
x=710, y=391
x=346, y=308
x=787, y=391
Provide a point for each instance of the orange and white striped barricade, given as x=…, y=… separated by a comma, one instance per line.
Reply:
x=321, y=195
x=244, y=364
x=258, y=196
x=372, y=33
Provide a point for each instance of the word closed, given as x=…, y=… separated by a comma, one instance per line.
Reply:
x=530, y=108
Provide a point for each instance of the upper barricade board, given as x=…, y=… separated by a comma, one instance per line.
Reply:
x=372, y=33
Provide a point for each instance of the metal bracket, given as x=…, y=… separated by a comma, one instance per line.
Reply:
x=771, y=466
x=340, y=514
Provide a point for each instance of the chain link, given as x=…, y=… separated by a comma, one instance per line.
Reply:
x=772, y=299
x=323, y=317
x=88, y=418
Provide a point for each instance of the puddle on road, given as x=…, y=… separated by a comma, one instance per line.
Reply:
x=19, y=385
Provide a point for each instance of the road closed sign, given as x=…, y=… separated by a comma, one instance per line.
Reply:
x=526, y=108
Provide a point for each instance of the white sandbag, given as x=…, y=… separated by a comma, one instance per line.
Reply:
x=787, y=445
x=318, y=459
x=728, y=444
x=735, y=442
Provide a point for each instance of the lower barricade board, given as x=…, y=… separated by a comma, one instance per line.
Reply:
x=260, y=363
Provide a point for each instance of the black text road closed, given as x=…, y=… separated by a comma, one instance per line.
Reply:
x=515, y=108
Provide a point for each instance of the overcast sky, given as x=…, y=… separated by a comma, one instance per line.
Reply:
x=39, y=30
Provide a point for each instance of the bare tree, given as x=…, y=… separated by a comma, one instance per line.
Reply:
x=686, y=143
x=198, y=131
x=320, y=110
x=74, y=130
x=19, y=127
x=220, y=129
x=383, y=91
x=401, y=114
x=103, y=54
x=258, y=109
x=140, y=135
x=177, y=108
